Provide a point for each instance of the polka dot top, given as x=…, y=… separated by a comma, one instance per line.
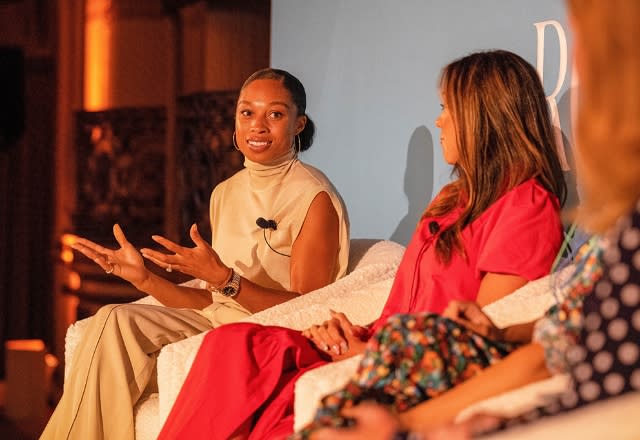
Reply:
x=606, y=361
x=608, y=358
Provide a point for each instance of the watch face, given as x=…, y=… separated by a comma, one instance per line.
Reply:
x=228, y=290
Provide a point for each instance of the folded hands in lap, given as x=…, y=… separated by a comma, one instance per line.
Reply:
x=338, y=337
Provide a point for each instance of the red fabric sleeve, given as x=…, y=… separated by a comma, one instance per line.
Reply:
x=523, y=234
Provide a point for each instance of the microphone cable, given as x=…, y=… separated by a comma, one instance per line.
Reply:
x=269, y=224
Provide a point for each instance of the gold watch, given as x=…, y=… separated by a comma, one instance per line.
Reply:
x=230, y=289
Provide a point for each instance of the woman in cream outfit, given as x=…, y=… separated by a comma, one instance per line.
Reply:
x=302, y=244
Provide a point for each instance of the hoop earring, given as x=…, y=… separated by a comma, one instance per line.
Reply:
x=235, y=143
x=297, y=144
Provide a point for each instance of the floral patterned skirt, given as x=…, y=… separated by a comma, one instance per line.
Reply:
x=413, y=358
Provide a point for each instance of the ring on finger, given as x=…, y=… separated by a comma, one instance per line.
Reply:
x=169, y=268
x=110, y=268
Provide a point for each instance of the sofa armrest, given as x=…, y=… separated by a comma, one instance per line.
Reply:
x=515, y=402
x=614, y=418
x=313, y=385
x=372, y=263
x=75, y=332
x=531, y=301
x=362, y=294
x=174, y=363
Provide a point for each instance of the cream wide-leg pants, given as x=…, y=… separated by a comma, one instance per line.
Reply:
x=113, y=365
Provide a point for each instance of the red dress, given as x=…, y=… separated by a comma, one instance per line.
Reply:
x=247, y=371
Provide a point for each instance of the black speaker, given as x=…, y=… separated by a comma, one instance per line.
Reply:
x=12, y=106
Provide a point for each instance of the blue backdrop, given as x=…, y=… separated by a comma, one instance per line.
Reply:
x=371, y=70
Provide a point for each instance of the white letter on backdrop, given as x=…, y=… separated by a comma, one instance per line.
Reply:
x=562, y=72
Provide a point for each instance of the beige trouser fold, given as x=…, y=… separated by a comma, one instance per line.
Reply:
x=112, y=366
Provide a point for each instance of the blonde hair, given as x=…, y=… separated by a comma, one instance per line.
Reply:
x=504, y=136
x=607, y=35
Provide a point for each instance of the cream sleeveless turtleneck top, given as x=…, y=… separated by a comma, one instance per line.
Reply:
x=283, y=192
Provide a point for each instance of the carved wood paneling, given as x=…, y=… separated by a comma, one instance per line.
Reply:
x=121, y=172
x=206, y=156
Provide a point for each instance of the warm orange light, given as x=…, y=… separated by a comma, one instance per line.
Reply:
x=68, y=239
x=97, y=56
x=67, y=255
x=25, y=345
x=51, y=360
x=70, y=309
x=73, y=280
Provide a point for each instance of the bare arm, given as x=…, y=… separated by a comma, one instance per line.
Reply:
x=495, y=286
x=172, y=295
x=127, y=263
x=315, y=251
x=341, y=339
x=313, y=259
x=525, y=365
x=313, y=262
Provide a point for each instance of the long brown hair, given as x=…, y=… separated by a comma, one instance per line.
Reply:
x=607, y=35
x=504, y=135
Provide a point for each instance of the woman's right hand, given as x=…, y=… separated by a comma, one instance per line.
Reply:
x=338, y=337
x=125, y=262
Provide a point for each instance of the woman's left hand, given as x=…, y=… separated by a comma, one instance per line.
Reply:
x=200, y=261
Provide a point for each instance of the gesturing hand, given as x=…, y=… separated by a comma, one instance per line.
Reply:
x=200, y=261
x=125, y=262
x=470, y=315
x=337, y=336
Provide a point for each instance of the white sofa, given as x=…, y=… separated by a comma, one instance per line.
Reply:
x=361, y=294
x=525, y=305
x=372, y=266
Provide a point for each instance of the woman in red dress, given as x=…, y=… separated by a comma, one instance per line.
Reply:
x=487, y=233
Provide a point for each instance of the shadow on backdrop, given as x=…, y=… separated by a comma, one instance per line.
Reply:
x=418, y=182
x=573, y=193
x=564, y=109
